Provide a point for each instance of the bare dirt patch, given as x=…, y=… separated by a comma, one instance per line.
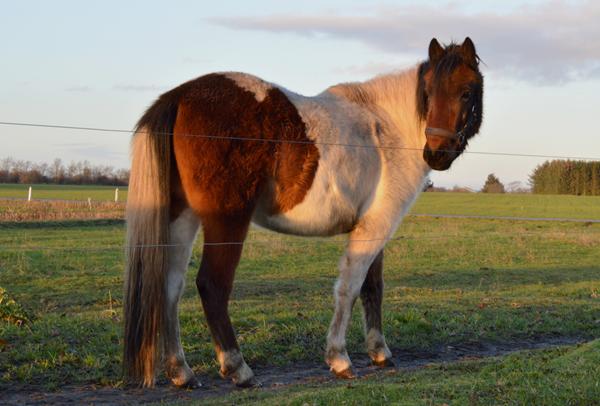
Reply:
x=272, y=378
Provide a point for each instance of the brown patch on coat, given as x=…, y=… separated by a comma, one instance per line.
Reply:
x=227, y=173
x=227, y=168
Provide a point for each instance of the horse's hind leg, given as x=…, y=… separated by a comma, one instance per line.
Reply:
x=223, y=239
x=371, y=295
x=182, y=233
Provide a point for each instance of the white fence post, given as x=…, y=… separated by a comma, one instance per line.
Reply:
x=116, y=195
x=90, y=202
x=29, y=195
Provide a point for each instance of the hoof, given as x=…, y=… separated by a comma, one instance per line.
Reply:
x=191, y=383
x=242, y=377
x=250, y=383
x=347, y=373
x=384, y=363
x=183, y=377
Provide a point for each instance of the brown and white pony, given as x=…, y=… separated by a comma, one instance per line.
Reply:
x=228, y=149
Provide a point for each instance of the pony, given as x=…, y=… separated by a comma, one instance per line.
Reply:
x=229, y=149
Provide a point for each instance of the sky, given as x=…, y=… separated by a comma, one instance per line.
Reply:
x=100, y=64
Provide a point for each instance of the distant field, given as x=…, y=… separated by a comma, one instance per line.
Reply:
x=63, y=192
x=479, y=204
x=518, y=205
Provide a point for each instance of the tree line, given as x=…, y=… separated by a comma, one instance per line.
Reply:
x=74, y=173
x=566, y=177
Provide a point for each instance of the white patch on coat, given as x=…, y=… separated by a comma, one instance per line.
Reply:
x=251, y=83
x=370, y=171
x=370, y=159
x=346, y=176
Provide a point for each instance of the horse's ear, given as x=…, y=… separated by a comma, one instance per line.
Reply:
x=435, y=51
x=468, y=51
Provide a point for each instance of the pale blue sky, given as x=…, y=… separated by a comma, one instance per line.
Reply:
x=100, y=64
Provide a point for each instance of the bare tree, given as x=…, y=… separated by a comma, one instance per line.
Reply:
x=82, y=172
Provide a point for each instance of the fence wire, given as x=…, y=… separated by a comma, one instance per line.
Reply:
x=288, y=240
x=280, y=141
x=302, y=240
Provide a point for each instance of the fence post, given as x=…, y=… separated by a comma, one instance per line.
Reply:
x=90, y=202
x=116, y=195
x=29, y=195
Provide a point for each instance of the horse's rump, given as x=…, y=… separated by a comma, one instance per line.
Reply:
x=230, y=148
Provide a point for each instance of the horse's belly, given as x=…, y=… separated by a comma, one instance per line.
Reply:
x=323, y=212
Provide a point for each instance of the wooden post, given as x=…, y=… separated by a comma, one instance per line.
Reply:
x=116, y=195
x=29, y=195
x=90, y=202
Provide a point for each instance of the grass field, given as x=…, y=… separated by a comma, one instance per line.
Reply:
x=448, y=282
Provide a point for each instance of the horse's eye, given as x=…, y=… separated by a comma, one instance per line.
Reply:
x=466, y=96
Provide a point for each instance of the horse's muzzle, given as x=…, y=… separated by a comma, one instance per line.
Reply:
x=441, y=132
x=442, y=148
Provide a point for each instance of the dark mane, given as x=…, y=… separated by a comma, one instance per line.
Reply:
x=420, y=91
x=450, y=61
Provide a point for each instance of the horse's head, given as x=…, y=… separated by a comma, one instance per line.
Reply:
x=450, y=100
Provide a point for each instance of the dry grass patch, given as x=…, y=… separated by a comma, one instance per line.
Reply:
x=20, y=210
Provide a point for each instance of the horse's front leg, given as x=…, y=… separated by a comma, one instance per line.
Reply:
x=362, y=250
x=371, y=295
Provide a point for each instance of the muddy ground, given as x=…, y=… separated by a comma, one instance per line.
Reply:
x=272, y=379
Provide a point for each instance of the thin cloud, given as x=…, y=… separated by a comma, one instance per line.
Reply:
x=79, y=89
x=91, y=151
x=549, y=43
x=371, y=68
x=194, y=61
x=138, y=88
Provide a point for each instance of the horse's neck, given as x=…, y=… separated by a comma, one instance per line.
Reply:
x=392, y=97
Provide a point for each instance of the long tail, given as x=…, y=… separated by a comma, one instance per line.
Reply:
x=147, y=234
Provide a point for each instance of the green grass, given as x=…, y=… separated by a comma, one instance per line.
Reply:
x=448, y=281
x=63, y=192
x=519, y=205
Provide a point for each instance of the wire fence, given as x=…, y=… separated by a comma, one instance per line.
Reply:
x=301, y=240
x=294, y=240
x=284, y=141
